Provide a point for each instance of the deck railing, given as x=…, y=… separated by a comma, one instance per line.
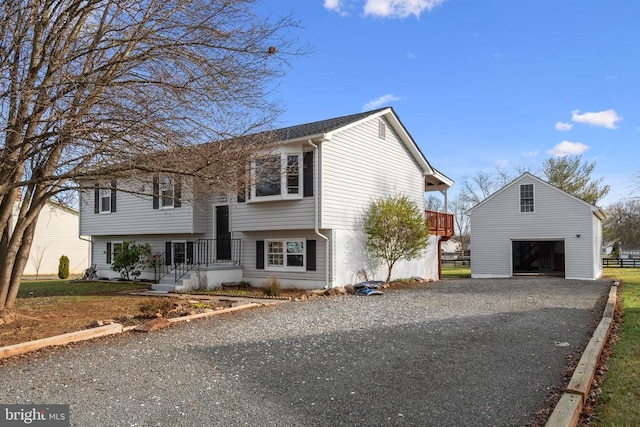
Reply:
x=202, y=252
x=440, y=223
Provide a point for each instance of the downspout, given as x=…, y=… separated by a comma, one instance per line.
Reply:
x=316, y=190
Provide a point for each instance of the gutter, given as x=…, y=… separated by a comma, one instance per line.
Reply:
x=316, y=190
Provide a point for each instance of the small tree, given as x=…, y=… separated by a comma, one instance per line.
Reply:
x=395, y=228
x=129, y=259
x=63, y=267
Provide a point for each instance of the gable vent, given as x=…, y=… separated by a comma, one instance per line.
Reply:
x=382, y=129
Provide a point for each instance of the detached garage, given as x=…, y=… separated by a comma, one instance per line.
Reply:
x=530, y=227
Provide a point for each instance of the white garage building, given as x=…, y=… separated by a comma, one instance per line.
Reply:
x=530, y=227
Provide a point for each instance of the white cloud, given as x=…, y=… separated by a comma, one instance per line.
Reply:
x=606, y=119
x=399, y=8
x=501, y=163
x=567, y=148
x=335, y=6
x=385, y=99
x=564, y=127
x=530, y=153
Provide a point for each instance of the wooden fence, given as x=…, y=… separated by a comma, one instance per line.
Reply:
x=621, y=262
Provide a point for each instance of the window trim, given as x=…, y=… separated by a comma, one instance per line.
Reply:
x=170, y=187
x=112, y=244
x=285, y=267
x=284, y=179
x=105, y=209
x=527, y=202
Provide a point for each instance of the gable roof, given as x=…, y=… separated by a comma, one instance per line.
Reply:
x=325, y=129
x=600, y=213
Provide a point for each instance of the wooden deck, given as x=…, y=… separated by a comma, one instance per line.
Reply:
x=440, y=223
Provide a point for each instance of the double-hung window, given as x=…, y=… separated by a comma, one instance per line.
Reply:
x=277, y=177
x=167, y=195
x=105, y=200
x=526, y=198
x=285, y=254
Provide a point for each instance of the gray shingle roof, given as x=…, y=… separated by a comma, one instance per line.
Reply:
x=319, y=127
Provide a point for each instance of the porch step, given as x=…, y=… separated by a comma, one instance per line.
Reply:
x=164, y=287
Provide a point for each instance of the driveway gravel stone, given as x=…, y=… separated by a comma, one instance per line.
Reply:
x=450, y=353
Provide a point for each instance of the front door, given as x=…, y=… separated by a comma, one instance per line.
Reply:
x=223, y=235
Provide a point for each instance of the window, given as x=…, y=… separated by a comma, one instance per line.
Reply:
x=526, y=198
x=285, y=254
x=112, y=249
x=275, y=173
x=179, y=250
x=166, y=192
x=105, y=200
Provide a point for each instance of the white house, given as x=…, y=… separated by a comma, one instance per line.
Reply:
x=299, y=225
x=56, y=235
x=532, y=227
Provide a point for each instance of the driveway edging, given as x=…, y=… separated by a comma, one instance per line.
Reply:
x=568, y=409
x=110, y=329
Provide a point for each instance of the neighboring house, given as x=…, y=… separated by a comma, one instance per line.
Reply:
x=532, y=227
x=56, y=235
x=300, y=223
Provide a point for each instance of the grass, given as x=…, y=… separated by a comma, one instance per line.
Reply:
x=44, y=288
x=620, y=399
x=451, y=272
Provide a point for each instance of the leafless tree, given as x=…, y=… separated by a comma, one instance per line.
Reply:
x=37, y=256
x=459, y=206
x=95, y=90
x=433, y=203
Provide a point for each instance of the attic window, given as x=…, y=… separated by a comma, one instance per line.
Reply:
x=382, y=129
x=526, y=198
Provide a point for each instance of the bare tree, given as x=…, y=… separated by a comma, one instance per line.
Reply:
x=459, y=206
x=433, y=203
x=94, y=90
x=623, y=224
x=37, y=256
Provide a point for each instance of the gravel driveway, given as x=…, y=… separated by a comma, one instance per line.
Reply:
x=451, y=353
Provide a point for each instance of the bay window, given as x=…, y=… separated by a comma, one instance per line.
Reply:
x=277, y=177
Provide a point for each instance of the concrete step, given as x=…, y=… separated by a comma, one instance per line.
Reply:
x=164, y=287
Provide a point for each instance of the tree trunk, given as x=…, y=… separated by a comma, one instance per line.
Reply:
x=20, y=262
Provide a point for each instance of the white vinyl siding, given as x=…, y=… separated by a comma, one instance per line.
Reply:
x=351, y=180
x=135, y=215
x=56, y=235
x=558, y=216
x=275, y=215
x=294, y=277
x=157, y=243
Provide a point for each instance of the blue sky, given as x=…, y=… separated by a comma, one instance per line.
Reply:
x=478, y=83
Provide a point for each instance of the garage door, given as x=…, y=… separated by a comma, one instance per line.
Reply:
x=538, y=257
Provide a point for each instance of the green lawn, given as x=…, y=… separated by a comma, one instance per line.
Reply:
x=620, y=400
x=45, y=288
x=451, y=272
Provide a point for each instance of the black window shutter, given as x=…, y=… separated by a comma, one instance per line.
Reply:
x=156, y=192
x=307, y=174
x=190, y=253
x=311, y=255
x=108, y=252
x=167, y=253
x=96, y=202
x=113, y=196
x=177, y=192
x=260, y=254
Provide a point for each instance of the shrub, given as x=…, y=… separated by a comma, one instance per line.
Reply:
x=272, y=287
x=63, y=267
x=130, y=259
